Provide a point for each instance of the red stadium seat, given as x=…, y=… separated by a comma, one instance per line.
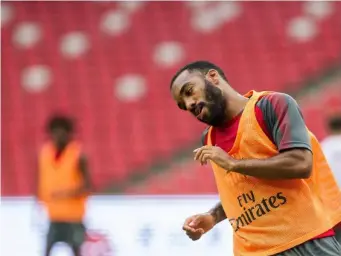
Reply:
x=319, y=107
x=186, y=178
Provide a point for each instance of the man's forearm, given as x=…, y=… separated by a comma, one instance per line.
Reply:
x=295, y=164
x=218, y=213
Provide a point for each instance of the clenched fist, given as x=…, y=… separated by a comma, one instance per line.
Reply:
x=197, y=225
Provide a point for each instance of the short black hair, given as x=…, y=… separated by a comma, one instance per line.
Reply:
x=60, y=121
x=335, y=122
x=202, y=66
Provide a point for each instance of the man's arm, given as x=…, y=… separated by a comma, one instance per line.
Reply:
x=291, y=164
x=285, y=126
x=287, y=129
x=283, y=121
x=86, y=187
x=218, y=213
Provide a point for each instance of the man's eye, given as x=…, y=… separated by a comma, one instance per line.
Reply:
x=189, y=91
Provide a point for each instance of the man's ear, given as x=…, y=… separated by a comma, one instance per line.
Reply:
x=213, y=76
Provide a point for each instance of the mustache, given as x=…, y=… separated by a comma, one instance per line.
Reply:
x=198, y=107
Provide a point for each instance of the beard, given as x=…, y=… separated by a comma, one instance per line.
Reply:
x=215, y=104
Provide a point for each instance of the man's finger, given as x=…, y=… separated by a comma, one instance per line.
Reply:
x=194, y=238
x=195, y=222
x=198, y=152
x=197, y=232
x=188, y=229
x=205, y=155
x=196, y=235
x=203, y=147
x=200, y=230
x=189, y=220
x=201, y=151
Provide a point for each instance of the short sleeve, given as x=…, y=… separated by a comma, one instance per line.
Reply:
x=284, y=121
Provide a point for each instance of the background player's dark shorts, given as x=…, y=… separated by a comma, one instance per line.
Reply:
x=71, y=233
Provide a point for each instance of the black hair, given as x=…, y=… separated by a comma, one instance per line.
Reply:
x=202, y=66
x=60, y=121
x=335, y=123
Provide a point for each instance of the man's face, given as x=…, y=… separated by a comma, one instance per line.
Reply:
x=195, y=93
x=60, y=137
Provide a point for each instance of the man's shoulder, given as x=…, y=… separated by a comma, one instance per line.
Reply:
x=274, y=97
x=274, y=100
x=45, y=147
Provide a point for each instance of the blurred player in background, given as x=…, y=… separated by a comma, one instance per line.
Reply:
x=331, y=146
x=63, y=185
x=275, y=186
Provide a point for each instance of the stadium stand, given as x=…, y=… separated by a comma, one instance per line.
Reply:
x=109, y=65
x=317, y=107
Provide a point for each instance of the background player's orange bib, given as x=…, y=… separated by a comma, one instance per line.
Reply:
x=61, y=175
x=270, y=216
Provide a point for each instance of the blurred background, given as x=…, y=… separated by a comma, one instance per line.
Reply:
x=109, y=65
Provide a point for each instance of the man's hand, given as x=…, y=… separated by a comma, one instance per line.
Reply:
x=197, y=225
x=215, y=154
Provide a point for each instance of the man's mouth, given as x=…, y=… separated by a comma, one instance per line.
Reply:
x=198, y=110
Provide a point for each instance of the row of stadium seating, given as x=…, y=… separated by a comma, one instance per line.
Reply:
x=109, y=64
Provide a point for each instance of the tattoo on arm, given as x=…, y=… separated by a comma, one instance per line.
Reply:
x=218, y=213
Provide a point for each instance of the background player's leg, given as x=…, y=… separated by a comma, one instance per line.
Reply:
x=51, y=238
x=77, y=231
x=76, y=251
x=48, y=250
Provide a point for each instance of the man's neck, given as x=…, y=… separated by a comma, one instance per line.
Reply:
x=59, y=151
x=61, y=148
x=235, y=105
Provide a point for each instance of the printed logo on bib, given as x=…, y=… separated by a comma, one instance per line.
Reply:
x=257, y=209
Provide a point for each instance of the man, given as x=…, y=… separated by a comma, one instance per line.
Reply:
x=63, y=185
x=274, y=184
x=332, y=149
